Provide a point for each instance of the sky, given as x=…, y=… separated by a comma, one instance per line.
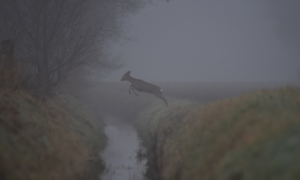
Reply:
x=205, y=41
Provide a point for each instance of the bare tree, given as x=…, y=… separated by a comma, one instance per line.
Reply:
x=53, y=37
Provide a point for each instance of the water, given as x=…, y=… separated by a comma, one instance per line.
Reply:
x=119, y=155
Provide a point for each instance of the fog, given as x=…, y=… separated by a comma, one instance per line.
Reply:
x=205, y=41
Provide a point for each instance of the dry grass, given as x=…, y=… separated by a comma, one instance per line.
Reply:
x=155, y=126
x=254, y=136
x=87, y=127
x=80, y=120
x=60, y=139
x=9, y=78
x=38, y=142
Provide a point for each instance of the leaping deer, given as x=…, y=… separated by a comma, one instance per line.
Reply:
x=143, y=86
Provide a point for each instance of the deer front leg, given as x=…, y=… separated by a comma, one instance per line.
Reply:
x=130, y=89
x=134, y=91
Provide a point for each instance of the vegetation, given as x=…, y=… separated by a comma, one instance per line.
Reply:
x=54, y=38
x=56, y=140
x=253, y=136
x=88, y=128
x=53, y=136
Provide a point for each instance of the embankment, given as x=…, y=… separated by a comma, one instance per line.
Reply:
x=56, y=140
x=252, y=136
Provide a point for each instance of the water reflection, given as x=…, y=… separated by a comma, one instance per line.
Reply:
x=120, y=153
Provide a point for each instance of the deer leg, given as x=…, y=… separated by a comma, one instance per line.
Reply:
x=162, y=98
x=130, y=89
x=134, y=91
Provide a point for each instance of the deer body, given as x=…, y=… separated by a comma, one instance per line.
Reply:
x=143, y=86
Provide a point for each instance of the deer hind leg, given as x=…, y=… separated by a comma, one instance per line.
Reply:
x=162, y=98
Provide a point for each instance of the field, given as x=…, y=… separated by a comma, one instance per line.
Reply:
x=210, y=92
x=113, y=97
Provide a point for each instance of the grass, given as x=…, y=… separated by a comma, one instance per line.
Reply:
x=86, y=126
x=57, y=140
x=80, y=120
x=253, y=136
x=155, y=124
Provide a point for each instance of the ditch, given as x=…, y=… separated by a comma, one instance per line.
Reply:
x=120, y=154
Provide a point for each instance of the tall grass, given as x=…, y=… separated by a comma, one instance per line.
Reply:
x=155, y=124
x=9, y=78
x=254, y=136
x=46, y=141
x=56, y=140
x=87, y=127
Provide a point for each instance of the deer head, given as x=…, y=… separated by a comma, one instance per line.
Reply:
x=126, y=76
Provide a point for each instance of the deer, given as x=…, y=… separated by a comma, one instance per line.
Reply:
x=143, y=86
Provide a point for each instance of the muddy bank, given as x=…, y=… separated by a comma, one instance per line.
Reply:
x=120, y=154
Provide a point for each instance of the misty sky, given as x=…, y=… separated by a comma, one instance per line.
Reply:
x=205, y=41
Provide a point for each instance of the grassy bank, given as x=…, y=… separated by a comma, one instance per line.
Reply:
x=56, y=140
x=254, y=136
